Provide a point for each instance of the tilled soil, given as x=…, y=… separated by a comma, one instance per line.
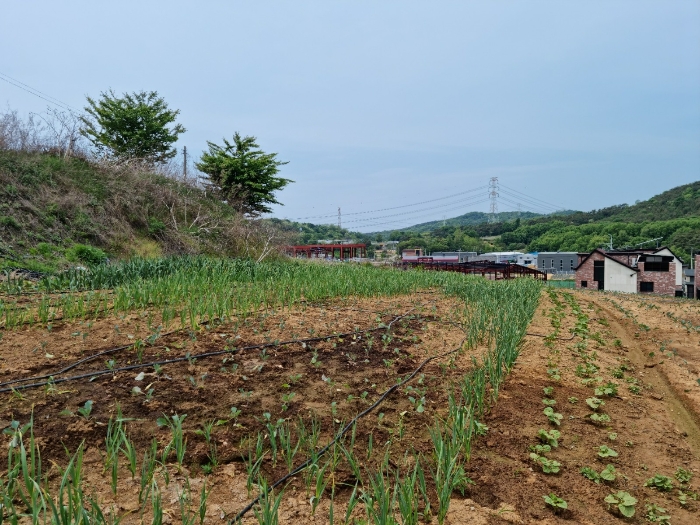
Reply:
x=652, y=356
x=655, y=431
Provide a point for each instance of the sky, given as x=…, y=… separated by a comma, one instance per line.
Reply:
x=404, y=106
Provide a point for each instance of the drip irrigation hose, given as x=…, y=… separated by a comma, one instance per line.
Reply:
x=195, y=356
x=124, y=347
x=344, y=430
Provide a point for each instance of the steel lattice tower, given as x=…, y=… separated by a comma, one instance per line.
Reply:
x=493, y=195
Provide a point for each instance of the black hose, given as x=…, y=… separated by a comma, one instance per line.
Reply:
x=196, y=356
x=344, y=430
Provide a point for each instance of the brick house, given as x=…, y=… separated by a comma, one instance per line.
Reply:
x=638, y=271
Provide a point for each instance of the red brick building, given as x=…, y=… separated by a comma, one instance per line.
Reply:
x=638, y=271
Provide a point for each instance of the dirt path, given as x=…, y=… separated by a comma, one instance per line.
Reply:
x=653, y=417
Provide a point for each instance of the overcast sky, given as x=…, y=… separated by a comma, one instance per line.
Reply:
x=381, y=104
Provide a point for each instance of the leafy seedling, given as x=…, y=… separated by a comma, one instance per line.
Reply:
x=659, y=482
x=606, y=452
x=548, y=390
x=540, y=449
x=591, y=474
x=608, y=473
x=573, y=400
x=594, y=402
x=551, y=438
x=554, y=417
x=600, y=418
x=549, y=402
x=608, y=389
x=683, y=476
x=554, y=501
x=623, y=501
x=549, y=466
x=656, y=514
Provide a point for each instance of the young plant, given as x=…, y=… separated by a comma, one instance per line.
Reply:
x=683, y=476
x=659, y=482
x=608, y=473
x=554, y=501
x=549, y=466
x=608, y=389
x=656, y=514
x=178, y=442
x=551, y=437
x=623, y=501
x=554, y=417
x=600, y=418
x=591, y=474
x=594, y=402
x=606, y=452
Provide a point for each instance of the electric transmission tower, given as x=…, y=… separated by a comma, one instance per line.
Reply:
x=493, y=195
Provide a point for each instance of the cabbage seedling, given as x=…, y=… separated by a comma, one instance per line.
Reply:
x=659, y=482
x=591, y=474
x=549, y=466
x=555, y=502
x=608, y=473
x=624, y=501
x=594, y=402
x=553, y=416
x=551, y=437
x=606, y=452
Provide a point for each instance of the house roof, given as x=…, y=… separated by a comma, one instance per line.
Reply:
x=607, y=256
x=669, y=249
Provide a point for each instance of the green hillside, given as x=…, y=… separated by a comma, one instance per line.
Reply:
x=56, y=210
x=673, y=216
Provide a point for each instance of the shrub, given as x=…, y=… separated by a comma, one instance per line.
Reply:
x=86, y=254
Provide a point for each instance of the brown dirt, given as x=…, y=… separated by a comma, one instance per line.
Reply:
x=656, y=430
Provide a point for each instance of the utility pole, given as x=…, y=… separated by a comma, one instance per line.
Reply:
x=184, y=165
x=493, y=195
x=340, y=224
x=611, y=244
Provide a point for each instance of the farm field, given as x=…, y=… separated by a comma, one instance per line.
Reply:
x=177, y=391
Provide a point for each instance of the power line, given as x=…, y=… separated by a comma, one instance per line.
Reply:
x=533, y=198
x=395, y=207
x=412, y=212
x=408, y=221
x=33, y=91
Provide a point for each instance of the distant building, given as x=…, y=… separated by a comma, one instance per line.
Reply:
x=500, y=257
x=527, y=259
x=557, y=262
x=634, y=271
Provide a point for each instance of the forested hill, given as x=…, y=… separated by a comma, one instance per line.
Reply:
x=472, y=218
x=672, y=216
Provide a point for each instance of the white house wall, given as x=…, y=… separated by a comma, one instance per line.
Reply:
x=678, y=263
x=619, y=278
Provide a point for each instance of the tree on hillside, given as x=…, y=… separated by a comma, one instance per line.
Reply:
x=246, y=175
x=133, y=126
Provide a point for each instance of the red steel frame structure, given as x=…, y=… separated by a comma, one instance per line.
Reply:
x=324, y=251
x=488, y=270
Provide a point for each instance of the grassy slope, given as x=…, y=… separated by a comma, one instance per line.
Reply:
x=48, y=204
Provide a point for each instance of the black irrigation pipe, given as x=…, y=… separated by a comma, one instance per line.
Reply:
x=344, y=430
x=196, y=356
x=124, y=347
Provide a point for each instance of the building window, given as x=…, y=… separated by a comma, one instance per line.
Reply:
x=552, y=263
x=584, y=284
x=571, y=267
x=646, y=287
x=655, y=264
x=598, y=270
x=561, y=264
